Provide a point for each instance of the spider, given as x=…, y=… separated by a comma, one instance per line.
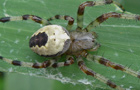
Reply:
x=55, y=41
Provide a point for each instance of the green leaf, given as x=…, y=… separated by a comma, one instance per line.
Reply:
x=119, y=39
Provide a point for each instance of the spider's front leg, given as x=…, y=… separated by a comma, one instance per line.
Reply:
x=81, y=9
x=106, y=16
x=64, y=17
x=101, y=78
x=25, y=17
x=45, y=64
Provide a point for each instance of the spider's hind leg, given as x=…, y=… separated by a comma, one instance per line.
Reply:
x=45, y=64
x=107, y=63
x=101, y=78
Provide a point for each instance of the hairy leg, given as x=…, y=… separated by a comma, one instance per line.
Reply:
x=25, y=17
x=101, y=78
x=106, y=16
x=81, y=9
x=48, y=63
x=107, y=63
x=64, y=17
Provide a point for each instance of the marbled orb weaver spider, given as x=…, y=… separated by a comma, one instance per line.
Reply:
x=55, y=41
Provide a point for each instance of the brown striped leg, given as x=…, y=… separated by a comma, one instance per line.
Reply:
x=81, y=9
x=105, y=62
x=25, y=17
x=106, y=16
x=101, y=78
x=48, y=63
x=64, y=17
x=119, y=5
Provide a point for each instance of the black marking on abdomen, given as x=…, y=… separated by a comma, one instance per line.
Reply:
x=40, y=39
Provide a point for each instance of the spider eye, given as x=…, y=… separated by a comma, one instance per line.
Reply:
x=50, y=41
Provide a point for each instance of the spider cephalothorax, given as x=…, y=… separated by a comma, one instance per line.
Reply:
x=81, y=41
x=55, y=41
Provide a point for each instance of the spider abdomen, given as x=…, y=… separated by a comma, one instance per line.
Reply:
x=80, y=41
x=50, y=41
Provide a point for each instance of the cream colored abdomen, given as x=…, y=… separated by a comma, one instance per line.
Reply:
x=57, y=37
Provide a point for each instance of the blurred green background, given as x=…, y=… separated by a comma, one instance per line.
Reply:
x=132, y=6
x=15, y=81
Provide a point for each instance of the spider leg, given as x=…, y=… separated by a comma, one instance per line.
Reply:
x=45, y=64
x=25, y=17
x=106, y=16
x=81, y=9
x=107, y=63
x=119, y=5
x=101, y=78
x=64, y=17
